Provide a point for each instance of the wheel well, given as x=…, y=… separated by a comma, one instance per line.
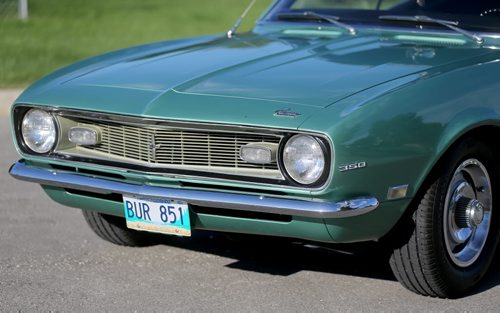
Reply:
x=485, y=134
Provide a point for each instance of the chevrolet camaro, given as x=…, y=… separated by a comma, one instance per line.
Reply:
x=334, y=121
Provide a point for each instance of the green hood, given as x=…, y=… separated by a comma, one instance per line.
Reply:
x=242, y=80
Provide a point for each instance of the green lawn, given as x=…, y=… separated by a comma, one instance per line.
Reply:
x=62, y=31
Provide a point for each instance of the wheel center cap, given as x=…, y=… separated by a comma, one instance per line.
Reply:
x=469, y=213
x=475, y=213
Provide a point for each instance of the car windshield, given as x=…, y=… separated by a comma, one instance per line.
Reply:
x=482, y=15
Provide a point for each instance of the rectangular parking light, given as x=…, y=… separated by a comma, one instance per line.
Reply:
x=84, y=136
x=259, y=153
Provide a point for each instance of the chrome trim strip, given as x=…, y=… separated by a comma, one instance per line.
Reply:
x=315, y=209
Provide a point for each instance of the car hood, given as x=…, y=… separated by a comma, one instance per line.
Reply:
x=277, y=67
x=241, y=80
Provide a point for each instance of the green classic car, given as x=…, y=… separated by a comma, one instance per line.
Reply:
x=335, y=121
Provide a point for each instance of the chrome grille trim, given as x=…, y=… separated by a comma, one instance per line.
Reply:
x=165, y=146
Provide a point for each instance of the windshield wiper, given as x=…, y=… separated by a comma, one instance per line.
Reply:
x=309, y=15
x=453, y=25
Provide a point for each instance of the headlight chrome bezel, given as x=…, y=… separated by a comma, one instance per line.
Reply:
x=22, y=138
x=327, y=151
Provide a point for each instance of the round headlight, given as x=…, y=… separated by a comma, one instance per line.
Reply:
x=39, y=131
x=304, y=159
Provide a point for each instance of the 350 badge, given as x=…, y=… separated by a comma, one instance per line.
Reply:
x=352, y=166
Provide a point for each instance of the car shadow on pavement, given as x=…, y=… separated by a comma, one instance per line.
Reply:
x=283, y=256
x=280, y=256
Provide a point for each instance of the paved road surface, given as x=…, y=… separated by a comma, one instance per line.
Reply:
x=7, y=96
x=50, y=260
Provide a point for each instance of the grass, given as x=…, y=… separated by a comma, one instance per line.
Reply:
x=60, y=32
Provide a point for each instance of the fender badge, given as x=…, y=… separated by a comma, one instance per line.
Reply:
x=353, y=166
x=286, y=112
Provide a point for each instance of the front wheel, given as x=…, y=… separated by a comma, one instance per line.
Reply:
x=114, y=229
x=455, y=226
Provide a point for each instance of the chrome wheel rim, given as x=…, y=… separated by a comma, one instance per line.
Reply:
x=467, y=212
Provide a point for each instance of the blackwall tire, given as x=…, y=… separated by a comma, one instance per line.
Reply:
x=455, y=227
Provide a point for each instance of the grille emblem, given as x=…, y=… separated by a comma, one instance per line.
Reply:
x=153, y=147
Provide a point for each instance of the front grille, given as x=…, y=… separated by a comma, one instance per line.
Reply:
x=165, y=146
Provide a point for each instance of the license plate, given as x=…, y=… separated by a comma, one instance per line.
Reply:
x=157, y=215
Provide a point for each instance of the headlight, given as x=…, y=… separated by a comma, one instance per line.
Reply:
x=39, y=131
x=304, y=159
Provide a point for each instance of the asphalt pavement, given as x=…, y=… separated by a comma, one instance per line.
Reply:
x=51, y=261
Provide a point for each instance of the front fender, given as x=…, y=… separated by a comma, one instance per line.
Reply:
x=401, y=129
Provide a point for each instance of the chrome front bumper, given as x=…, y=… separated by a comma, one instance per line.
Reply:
x=211, y=199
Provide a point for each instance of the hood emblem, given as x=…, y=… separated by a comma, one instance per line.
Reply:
x=286, y=112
